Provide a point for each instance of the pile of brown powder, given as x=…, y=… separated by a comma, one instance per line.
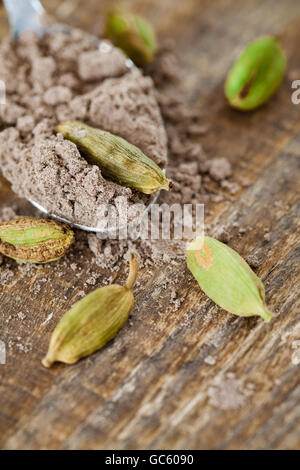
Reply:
x=68, y=76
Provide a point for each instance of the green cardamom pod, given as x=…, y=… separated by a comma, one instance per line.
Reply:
x=34, y=240
x=117, y=158
x=226, y=278
x=93, y=321
x=256, y=75
x=133, y=34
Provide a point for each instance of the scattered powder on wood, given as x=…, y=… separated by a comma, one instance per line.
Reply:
x=228, y=392
x=223, y=235
x=6, y=276
x=20, y=347
x=296, y=357
x=48, y=319
x=21, y=315
x=210, y=360
x=253, y=260
x=81, y=294
x=8, y=213
x=292, y=334
x=23, y=348
x=219, y=168
x=296, y=354
x=231, y=186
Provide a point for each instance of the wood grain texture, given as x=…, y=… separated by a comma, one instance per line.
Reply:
x=197, y=377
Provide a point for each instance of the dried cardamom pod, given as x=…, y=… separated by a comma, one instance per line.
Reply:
x=35, y=240
x=226, y=278
x=117, y=158
x=93, y=321
x=133, y=34
x=256, y=75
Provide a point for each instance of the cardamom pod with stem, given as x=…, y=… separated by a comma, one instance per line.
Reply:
x=133, y=34
x=226, y=278
x=118, y=159
x=93, y=321
x=256, y=75
x=34, y=240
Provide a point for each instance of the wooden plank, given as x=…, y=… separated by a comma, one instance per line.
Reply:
x=196, y=377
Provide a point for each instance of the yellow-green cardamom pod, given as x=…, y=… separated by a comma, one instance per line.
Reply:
x=34, y=240
x=118, y=159
x=226, y=278
x=256, y=75
x=93, y=321
x=133, y=34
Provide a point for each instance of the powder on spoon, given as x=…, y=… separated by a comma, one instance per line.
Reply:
x=61, y=77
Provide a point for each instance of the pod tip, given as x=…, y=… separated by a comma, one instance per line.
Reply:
x=47, y=363
x=134, y=264
x=267, y=315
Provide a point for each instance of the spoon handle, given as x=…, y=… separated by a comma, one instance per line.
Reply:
x=24, y=15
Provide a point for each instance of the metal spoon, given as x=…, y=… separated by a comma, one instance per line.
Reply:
x=27, y=15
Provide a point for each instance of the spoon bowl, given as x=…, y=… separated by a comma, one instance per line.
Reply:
x=27, y=15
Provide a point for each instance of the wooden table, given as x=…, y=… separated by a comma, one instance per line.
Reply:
x=198, y=377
